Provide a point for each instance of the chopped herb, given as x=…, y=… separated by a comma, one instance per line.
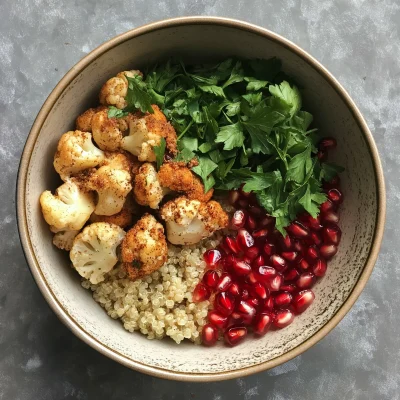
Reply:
x=159, y=152
x=114, y=112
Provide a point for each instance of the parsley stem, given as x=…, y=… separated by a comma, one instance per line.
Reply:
x=186, y=129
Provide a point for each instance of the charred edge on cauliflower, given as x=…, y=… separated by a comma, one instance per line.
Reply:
x=84, y=121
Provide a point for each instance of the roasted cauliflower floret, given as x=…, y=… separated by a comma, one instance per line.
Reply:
x=84, y=121
x=144, y=248
x=94, y=251
x=108, y=132
x=189, y=221
x=112, y=182
x=146, y=131
x=68, y=209
x=114, y=91
x=64, y=239
x=147, y=189
x=123, y=219
x=179, y=178
x=75, y=153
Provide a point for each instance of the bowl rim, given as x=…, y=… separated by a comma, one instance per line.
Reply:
x=32, y=261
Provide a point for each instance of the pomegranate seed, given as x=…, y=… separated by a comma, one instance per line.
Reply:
x=251, y=279
x=235, y=319
x=258, y=262
x=223, y=283
x=244, y=239
x=283, y=299
x=209, y=335
x=252, y=252
x=264, y=274
x=286, y=242
x=227, y=261
x=269, y=249
x=254, y=301
x=211, y=278
x=312, y=253
x=257, y=289
x=262, y=323
x=242, y=192
x=303, y=300
x=303, y=264
x=241, y=268
x=243, y=203
x=269, y=303
x=316, y=238
x=235, y=335
x=330, y=217
x=251, y=223
x=335, y=196
x=283, y=318
x=246, y=309
x=289, y=255
x=224, y=303
x=322, y=155
x=313, y=223
x=212, y=258
x=256, y=211
x=319, y=268
x=200, y=293
x=233, y=197
x=216, y=319
x=327, y=206
x=305, y=280
x=327, y=143
x=328, y=251
x=291, y=274
x=278, y=263
x=260, y=233
x=266, y=221
x=275, y=283
x=231, y=244
x=289, y=288
x=334, y=183
x=332, y=234
x=234, y=289
x=297, y=229
x=238, y=219
x=297, y=245
x=245, y=294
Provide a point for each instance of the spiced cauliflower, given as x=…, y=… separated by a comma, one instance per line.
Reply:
x=84, y=121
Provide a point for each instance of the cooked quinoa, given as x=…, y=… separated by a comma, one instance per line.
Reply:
x=160, y=304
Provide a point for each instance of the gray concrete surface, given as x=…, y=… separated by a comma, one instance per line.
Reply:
x=40, y=40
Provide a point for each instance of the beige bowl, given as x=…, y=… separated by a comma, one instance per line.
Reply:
x=362, y=215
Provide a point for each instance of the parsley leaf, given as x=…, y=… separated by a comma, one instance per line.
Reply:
x=299, y=166
x=185, y=155
x=159, y=152
x=231, y=135
x=329, y=171
x=114, y=112
x=236, y=75
x=204, y=170
x=255, y=84
x=215, y=90
x=137, y=96
x=189, y=143
x=291, y=96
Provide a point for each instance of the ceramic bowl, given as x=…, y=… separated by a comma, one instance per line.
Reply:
x=362, y=215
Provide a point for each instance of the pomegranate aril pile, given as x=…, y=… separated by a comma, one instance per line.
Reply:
x=261, y=280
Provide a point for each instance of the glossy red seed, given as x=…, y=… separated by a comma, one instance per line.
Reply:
x=298, y=246
x=227, y=262
x=224, y=303
x=332, y=234
x=291, y=288
x=312, y=253
x=262, y=323
x=243, y=203
x=316, y=238
x=231, y=244
x=244, y=239
x=319, y=268
x=334, y=183
x=246, y=309
x=269, y=249
x=245, y=294
x=283, y=318
x=223, y=283
x=291, y=274
x=200, y=293
x=212, y=258
x=259, y=290
x=211, y=278
x=303, y=264
x=260, y=233
x=251, y=223
x=297, y=229
x=234, y=289
x=328, y=251
x=235, y=319
x=278, y=262
x=233, y=196
x=252, y=252
x=275, y=283
x=217, y=319
x=322, y=155
x=289, y=255
x=327, y=143
x=256, y=211
x=305, y=280
x=283, y=299
x=235, y=335
x=303, y=300
x=264, y=274
x=258, y=261
x=251, y=278
x=238, y=220
x=327, y=206
x=266, y=221
x=241, y=268
x=254, y=301
x=335, y=196
x=286, y=242
x=330, y=217
x=313, y=223
x=268, y=304
x=209, y=335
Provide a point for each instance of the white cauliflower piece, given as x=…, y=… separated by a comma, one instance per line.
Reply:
x=94, y=251
x=75, y=153
x=114, y=91
x=64, y=239
x=68, y=209
x=189, y=221
x=112, y=182
x=144, y=248
x=146, y=131
x=84, y=121
x=147, y=188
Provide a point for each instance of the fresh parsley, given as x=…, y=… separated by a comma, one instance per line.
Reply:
x=159, y=151
x=114, y=112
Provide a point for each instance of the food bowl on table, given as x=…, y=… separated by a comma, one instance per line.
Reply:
x=203, y=40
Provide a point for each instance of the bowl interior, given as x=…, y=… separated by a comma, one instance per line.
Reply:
x=203, y=42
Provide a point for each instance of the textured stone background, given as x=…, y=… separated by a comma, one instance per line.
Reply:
x=357, y=40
